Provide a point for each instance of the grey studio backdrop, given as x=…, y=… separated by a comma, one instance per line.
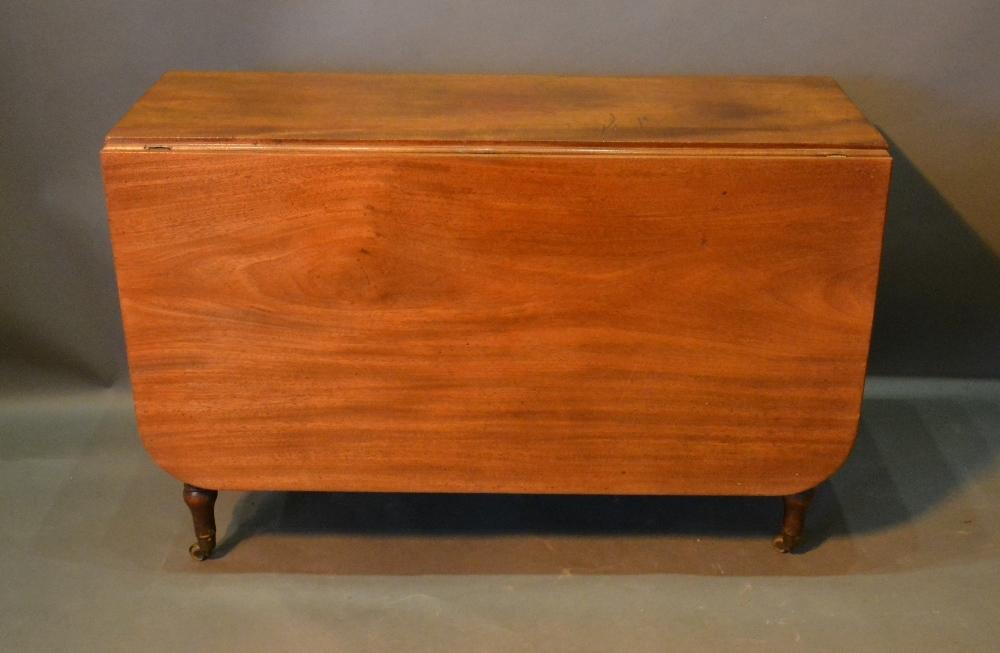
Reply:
x=924, y=72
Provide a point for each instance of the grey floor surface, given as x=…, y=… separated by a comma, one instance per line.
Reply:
x=903, y=554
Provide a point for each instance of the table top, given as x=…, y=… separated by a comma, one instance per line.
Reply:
x=270, y=109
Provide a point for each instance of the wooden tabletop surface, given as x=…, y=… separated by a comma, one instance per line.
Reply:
x=274, y=109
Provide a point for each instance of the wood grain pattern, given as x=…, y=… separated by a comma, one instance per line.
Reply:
x=268, y=108
x=680, y=323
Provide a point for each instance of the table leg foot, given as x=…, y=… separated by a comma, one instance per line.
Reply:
x=201, y=502
x=794, y=521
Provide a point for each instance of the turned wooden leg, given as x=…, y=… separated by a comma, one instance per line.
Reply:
x=794, y=522
x=202, y=505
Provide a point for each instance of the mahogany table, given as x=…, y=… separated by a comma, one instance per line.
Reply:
x=515, y=284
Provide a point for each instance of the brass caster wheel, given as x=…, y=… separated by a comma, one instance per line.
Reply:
x=197, y=552
x=785, y=543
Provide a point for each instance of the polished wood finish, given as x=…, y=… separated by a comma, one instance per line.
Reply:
x=510, y=324
x=268, y=108
x=201, y=502
x=793, y=525
x=427, y=301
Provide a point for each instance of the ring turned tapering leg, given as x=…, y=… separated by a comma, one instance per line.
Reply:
x=794, y=522
x=201, y=502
